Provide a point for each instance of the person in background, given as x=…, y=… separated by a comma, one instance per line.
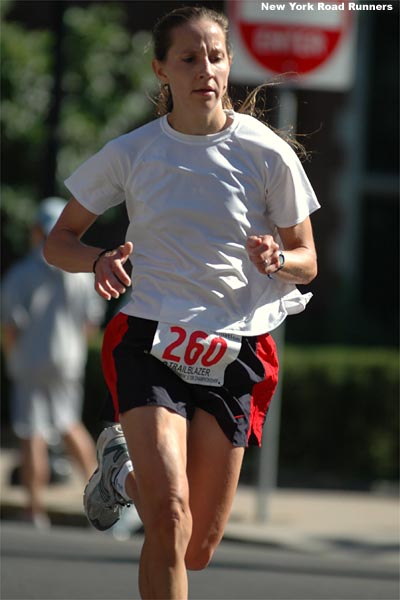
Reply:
x=219, y=236
x=47, y=315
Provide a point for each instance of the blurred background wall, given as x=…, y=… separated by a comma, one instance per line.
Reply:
x=77, y=73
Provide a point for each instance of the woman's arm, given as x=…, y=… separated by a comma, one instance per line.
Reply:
x=298, y=249
x=64, y=249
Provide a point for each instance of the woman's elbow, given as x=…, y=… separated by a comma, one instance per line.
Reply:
x=52, y=250
x=312, y=272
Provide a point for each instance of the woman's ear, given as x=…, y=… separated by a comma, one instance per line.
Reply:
x=159, y=71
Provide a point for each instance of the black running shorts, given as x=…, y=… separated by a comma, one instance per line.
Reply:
x=136, y=378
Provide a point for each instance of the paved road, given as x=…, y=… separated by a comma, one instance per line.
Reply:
x=81, y=564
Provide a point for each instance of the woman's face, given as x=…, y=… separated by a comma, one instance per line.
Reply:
x=196, y=67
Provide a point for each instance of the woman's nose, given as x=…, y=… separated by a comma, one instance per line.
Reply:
x=205, y=67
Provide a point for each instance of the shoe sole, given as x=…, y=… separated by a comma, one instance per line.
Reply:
x=104, y=438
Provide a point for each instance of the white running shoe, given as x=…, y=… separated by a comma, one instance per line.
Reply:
x=101, y=501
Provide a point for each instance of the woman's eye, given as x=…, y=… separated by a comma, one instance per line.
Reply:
x=188, y=59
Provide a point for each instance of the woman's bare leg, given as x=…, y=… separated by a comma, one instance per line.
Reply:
x=213, y=473
x=156, y=439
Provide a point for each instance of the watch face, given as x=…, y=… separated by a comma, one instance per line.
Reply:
x=281, y=260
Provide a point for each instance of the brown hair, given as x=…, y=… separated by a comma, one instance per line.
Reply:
x=162, y=42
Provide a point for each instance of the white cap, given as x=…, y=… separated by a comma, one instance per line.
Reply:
x=48, y=212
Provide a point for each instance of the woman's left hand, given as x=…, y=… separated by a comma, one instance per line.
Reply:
x=263, y=252
x=300, y=259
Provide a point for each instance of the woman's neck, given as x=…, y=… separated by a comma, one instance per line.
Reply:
x=200, y=124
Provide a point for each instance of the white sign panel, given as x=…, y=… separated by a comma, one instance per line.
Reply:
x=313, y=43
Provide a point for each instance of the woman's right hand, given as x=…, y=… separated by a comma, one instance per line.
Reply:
x=111, y=279
x=64, y=249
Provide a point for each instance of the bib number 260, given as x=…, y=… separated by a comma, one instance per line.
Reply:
x=194, y=350
x=196, y=356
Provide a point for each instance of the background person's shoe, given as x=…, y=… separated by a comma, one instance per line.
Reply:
x=129, y=524
x=39, y=520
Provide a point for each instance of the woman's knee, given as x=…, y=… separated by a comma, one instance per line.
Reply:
x=170, y=520
x=198, y=558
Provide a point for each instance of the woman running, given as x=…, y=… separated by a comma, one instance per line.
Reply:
x=219, y=235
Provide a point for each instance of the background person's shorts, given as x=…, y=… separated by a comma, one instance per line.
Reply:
x=136, y=378
x=45, y=408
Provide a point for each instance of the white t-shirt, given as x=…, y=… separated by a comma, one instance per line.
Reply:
x=192, y=201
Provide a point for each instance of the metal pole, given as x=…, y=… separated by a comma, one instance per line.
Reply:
x=269, y=452
x=268, y=458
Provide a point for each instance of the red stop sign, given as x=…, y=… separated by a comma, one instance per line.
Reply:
x=289, y=39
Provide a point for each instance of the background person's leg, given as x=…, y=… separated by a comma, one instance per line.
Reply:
x=65, y=398
x=35, y=474
x=80, y=447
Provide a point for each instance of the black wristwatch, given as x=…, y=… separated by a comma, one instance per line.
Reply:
x=281, y=261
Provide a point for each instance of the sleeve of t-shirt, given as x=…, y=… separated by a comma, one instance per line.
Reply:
x=14, y=312
x=290, y=196
x=98, y=184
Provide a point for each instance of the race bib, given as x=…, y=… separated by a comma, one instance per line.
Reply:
x=196, y=356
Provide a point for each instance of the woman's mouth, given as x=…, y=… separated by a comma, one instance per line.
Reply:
x=207, y=91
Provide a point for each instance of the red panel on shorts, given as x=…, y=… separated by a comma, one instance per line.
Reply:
x=113, y=335
x=264, y=390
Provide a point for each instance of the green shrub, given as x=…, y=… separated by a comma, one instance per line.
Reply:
x=340, y=418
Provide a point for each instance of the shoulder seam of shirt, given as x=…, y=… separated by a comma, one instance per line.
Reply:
x=152, y=141
x=242, y=142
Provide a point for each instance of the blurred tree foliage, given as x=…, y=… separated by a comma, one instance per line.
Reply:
x=105, y=83
x=107, y=74
x=26, y=83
